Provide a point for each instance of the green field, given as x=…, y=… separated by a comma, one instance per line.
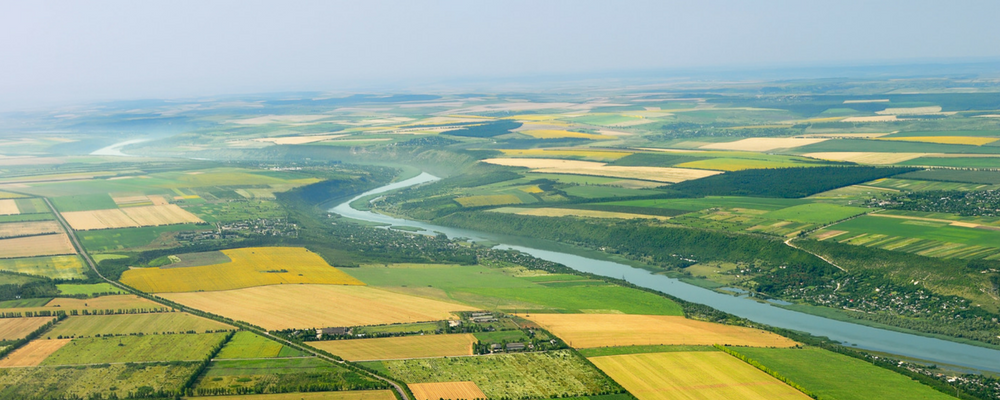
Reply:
x=144, y=348
x=237, y=211
x=27, y=217
x=128, y=238
x=492, y=287
x=960, y=162
x=525, y=375
x=903, y=228
x=815, y=213
x=174, y=322
x=757, y=203
x=56, y=267
x=19, y=303
x=84, y=381
x=641, y=349
x=984, y=177
x=279, y=376
x=600, y=192
x=87, y=289
x=837, y=376
x=919, y=185
x=83, y=202
x=893, y=146
x=251, y=345
x=501, y=336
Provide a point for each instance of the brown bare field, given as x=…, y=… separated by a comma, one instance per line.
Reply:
x=555, y=166
x=8, y=207
x=763, y=144
x=867, y=157
x=28, y=228
x=708, y=375
x=877, y=118
x=564, y=212
x=98, y=219
x=316, y=306
x=414, y=346
x=161, y=215
x=446, y=390
x=602, y=330
x=16, y=328
x=33, y=353
x=947, y=221
x=299, y=139
x=157, y=200
x=122, y=199
x=31, y=246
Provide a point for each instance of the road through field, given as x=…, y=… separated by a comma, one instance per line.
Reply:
x=908, y=345
x=90, y=262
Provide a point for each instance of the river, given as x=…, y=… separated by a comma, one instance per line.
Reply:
x=903, y=344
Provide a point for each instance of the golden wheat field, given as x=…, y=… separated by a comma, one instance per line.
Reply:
x=16, y=328
x=8, y=207
x=565, y=212
x=867, y=157
x=28, y=228
x=316, y=306
x=556, y=166
x=488, y=200
x=130, y=217
x=42, y=245
x=970, y=140
x=414, y=346
x=611, y=330
x=253, y=266
x=130, y=199
x=33, y=353
x=446, y=390
x=763, y=144
x=112, y=302
x=910, y=110
x=705, y=375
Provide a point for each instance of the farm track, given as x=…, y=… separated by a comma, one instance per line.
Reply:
x=789, y=241
x=93, y=266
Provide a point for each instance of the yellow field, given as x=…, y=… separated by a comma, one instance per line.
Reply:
x=316, y=306
x=129, y=199
x=416, y=346
x=33, y=353
x=564, y=212
x=599, y=155
x=603, y=330
x=446, y=390
x=555, y=166
x=866, y=157
x=299, y=139
x=532, y=189
x=763, y=144
x=735, y=164
x=491, y=200
x=16, y=328
x=56, y=267
x=44, y=245
x=342, y=395
x=253, y=266
x=28, y=228
x=971, y=140
x=98, y=219
x=555, y=134
x=161, y=215
x=705, y=375
x=8, y=207
x=9, y=195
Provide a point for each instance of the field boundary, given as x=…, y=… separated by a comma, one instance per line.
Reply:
x=766, y=370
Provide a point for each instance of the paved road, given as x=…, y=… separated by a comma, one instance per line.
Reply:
x=93, y=266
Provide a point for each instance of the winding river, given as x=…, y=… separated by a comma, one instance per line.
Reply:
x=903, y=344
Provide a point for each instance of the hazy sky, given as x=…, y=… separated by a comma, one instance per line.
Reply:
x=80, y=50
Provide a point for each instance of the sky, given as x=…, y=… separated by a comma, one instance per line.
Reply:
x=69, y=51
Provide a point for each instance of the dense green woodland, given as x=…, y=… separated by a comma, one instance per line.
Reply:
x=784, y=182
